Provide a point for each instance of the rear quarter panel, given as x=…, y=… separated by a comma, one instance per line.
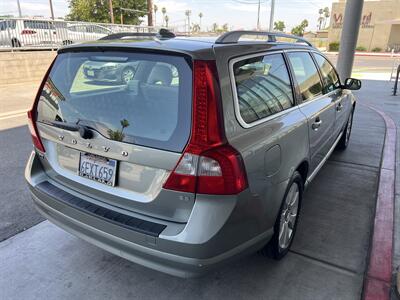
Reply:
x=271, y=150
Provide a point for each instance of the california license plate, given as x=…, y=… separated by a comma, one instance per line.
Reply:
x=97, y=168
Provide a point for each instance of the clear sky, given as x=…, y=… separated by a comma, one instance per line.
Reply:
x=237, y=13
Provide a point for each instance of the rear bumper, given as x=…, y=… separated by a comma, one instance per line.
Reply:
x=184, y=250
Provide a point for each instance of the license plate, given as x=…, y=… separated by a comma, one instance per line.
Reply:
x=90, y=73
x=97, y=168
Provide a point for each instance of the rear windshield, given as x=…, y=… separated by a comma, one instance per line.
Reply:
x=137, y=98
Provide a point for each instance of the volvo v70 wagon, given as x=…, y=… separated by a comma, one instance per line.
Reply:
x=202, y=156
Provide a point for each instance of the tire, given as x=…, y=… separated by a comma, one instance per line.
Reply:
x=127, y=74
x=344, y=140
x=278, y=247
x=15, y=43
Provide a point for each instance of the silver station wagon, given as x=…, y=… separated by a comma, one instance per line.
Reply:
x=202, y=156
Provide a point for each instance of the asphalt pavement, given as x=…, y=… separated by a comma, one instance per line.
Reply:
x=17, y=212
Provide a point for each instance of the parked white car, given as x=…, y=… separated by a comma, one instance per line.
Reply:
x=22, y=33
x=85, y=32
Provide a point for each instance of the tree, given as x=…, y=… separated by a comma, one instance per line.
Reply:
x=166, y=21
x=187, y=14
x=327, y=14
x=225, y=27
x=200, y=17
x=163, y=11
x=98, y=11
x=155, y=14
x=279, y=26
x=299, y=29
x=215, y=27
x=196, y=28
x=320, y=18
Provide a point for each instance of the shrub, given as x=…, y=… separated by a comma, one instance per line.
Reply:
x=377, y=49
x=334, y=46
x=361, y=48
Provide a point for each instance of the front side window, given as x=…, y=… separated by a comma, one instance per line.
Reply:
x=263, y=87
x=329, y=75
x=306, y=74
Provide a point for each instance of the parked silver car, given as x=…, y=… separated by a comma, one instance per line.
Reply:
x=203, y=156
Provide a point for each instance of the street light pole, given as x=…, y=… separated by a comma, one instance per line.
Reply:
x=348, y=40
x=111, y=11
x=271, y=16
x=51, y=9
x=19, y=9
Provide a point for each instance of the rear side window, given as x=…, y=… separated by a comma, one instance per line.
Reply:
x=38, y=25
x=329, y=75
x=137, y=98
x=4, y=25
x=306, y=74
x=263, y=87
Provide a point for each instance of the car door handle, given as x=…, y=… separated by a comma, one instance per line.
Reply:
x=316, y=124
x=339, y=107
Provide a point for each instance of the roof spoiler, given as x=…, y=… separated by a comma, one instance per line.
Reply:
x=162, y=34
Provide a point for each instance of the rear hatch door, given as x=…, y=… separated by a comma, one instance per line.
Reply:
x=114, y=141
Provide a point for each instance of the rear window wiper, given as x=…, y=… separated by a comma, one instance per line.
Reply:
x=84, y=131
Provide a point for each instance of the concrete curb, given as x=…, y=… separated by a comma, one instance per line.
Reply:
x=379, y=276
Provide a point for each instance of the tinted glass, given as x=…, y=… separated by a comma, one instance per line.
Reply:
x=306, y=74
x=136, y=98
x=263, y=87
x=329, y=75
x=38, y=25
x=7, y=24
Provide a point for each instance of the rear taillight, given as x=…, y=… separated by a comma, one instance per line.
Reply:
x=32, y=113
x=34, y=131
x=28, y=31
x=209, y=165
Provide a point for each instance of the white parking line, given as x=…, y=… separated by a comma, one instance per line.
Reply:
x=13, y=112
x=13, y=116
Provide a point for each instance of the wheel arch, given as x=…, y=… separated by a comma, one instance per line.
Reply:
x=303, y=169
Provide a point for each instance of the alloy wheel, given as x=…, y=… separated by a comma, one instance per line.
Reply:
x=289, y=216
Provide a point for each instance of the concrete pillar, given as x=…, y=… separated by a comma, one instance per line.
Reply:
x=348, y=40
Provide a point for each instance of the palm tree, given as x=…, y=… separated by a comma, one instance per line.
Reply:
x=155, y=14
x=163, y=11
x=187, y=14
x=166, y=21
x=320, y=19
x=200, y=16
x=225, y=27
x=215, y=27
x=326, y=15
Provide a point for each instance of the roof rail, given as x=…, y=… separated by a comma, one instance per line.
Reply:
x=162, y=34
x=234, y=36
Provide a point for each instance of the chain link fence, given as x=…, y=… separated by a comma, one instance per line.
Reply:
x=25, y=33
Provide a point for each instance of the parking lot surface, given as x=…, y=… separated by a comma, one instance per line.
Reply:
x=327, y=261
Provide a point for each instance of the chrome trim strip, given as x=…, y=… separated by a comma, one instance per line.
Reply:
x=314, y=173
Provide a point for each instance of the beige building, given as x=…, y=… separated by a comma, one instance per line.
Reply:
x=380, y=24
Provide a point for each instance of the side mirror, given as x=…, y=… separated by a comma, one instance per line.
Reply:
x=352, y=84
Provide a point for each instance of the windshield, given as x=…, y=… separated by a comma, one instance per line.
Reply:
x=136, y=98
